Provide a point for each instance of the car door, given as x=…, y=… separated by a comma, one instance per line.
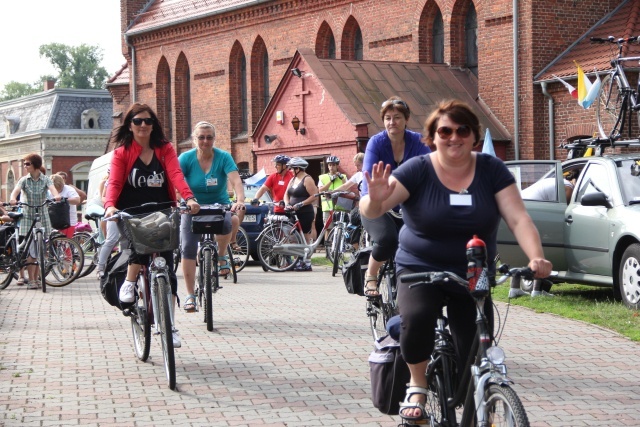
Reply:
x=548, y=215
x=588, y=228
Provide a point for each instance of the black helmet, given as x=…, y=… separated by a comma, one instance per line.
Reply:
x=298, y=162
x=281, y=158
x=333, y=159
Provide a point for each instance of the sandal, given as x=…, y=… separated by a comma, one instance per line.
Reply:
x=21, y=281
x=371, y=292
x=190, y=303
x=235, y=247
x=411, y=390
x=224, y=268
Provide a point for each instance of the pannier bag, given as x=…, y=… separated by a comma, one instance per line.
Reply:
x=354, y=272
x=389, y=375
x=208, y=221
x=59, y=215
x=112, y=280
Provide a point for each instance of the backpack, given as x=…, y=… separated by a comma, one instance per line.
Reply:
x=112, y=280
x=353, y=273
x=389, y=375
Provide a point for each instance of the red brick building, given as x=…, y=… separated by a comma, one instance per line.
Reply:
x=222, y=61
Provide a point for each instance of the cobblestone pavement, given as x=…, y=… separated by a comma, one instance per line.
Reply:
x=290, y=349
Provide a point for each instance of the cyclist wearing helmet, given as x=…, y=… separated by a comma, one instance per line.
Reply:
x=300, y=196
x=330, y=182
x=276, y=184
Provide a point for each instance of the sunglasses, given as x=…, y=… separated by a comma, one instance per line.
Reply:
x=207, y=137
x=385, y=104
x=445, y=132
x=147, y=121
x=27, y=164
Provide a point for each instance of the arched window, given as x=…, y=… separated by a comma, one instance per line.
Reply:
x=183, y=99
x=163, y=97
x=325, y=42
x=352, y=42
x=239, y=114
x=11, y=182
x=471, y=39
x=259, y=80
x=437, y=41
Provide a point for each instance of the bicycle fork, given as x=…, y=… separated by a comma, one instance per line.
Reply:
x=155, y=291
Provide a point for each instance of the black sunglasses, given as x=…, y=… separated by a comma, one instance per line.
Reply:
x=27, y=164
x=203, y=137
x=445, y=132
x=147, y=121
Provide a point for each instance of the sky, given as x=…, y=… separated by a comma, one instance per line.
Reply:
x=28, y=24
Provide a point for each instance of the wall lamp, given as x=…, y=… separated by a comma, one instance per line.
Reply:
x=296, y=72
x=270, y=138
x=295, y=122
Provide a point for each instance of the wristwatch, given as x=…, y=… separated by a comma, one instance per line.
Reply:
x=191, y=198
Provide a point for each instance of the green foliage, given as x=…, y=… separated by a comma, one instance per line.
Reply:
x=13, y=90
x=78, y=66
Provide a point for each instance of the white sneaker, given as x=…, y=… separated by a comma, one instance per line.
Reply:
x=127, y=292
x=517, y=292
x=177, y=343
x=541, y=294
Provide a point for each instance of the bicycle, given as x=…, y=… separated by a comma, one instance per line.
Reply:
x=617, y=100
x=382, y=307
x=338, y=250
x=90, y=244
x=58, y=257
x=153, y=295
x=484, y=390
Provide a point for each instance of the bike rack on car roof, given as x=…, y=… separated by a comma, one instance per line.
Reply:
x=578, y=147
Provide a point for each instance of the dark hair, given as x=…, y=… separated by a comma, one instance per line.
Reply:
x=457, y=111
x=34, y=159
x=397, y=104
x=124, y=136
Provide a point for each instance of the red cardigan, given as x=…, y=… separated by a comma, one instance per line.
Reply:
x=123, y=160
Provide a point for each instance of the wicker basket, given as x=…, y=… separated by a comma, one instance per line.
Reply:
x=154, y=232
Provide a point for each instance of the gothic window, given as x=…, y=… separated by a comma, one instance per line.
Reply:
x=259, y=80
x=352, y=44
x=437, y=42
x=163, y=97
x=183, y=99
x=325, y=42
x=238, y=106
x=471, y=39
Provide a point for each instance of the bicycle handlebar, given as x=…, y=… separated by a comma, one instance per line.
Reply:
x=46, y=202
x=613, y=40
x=418, y=279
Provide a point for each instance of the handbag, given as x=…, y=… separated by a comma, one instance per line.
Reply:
x=353, y=273
x=59, y=215
x=389, y=375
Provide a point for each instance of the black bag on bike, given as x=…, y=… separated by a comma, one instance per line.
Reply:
x=4, y=236
x=59, y=215
x=208, y=221
x=389, y=375
x=354, y=272
x=112, y=280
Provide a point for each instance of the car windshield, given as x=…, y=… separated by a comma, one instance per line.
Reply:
x=250, y=193
x=629, y=177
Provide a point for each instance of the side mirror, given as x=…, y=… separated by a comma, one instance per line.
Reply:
x=595, y=199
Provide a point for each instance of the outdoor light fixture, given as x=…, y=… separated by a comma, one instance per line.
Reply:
x=296, y=72
x=295, y=122
x=270, y=138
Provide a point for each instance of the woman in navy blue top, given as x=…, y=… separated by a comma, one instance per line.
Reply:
x=446, y=197
x=393, y=146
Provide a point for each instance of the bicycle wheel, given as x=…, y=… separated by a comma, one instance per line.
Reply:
x=166, y=331
x=377, y=320
x=6, y=273
x=90, y=251
x=40, y=251
x=436, y=400
x=337, y=245
x=241, y=253
x=65, y=260
x=329, y=248
x=504, y=408
x=177, y=257
x=609, y=107
x=386, y=288
x=207, y=278
x=277, y=234
x=141, y=322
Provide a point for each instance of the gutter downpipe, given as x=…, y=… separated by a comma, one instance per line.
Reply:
x=133, y=68
x=516, y=109
x=551, y=124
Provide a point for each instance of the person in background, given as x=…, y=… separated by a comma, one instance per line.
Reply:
x=82, y=194
x=330, y=182
x=144, y=169
x=74, y=200
x=354, y=183
x=32, y=189
x=111, y=233
x=277, y=183
x=207, y=170
x=393, y=146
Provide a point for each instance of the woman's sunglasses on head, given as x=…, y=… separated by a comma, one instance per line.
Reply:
x=445, y=132
x=395, y=102
x=138, y=121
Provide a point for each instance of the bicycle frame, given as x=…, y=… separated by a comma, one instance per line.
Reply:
x=302, y=250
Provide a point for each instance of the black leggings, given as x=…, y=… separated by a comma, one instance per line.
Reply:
x=135, y=258
x=420, y=307
x=384, y=233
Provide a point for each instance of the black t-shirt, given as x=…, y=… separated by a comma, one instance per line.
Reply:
x=439, y=222
x=145, y=183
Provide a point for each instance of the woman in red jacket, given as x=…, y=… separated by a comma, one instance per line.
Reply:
x=144, y=169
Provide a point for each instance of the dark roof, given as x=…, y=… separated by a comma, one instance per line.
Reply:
x=622, y=22
x=57, y=109
x=360, y=87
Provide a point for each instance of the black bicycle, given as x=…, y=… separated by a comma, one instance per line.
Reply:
x=483, y=390
x=382, y=307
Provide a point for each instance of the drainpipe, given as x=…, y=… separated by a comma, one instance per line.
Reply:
x=551, y=123
x=132, y=72
x=516, y=109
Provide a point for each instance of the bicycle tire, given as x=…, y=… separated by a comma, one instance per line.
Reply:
x=6, y=274
x=90, y=250
x=386, y=286
x=337, y=244
x=141, y=322
x=328, y=244
x=504, y=407
x=207, y=269
x=609, y=108
x=65, y=260
x=8, y=263
x=241, y=257
x=166, y=330
x=435, y=405
x=377, y=320
x=40, y=250
x=278, y=234
x=177, y=257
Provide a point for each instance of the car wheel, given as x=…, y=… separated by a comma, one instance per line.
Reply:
x=630, y=277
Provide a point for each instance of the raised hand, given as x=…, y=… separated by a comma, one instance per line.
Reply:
x=378, y=182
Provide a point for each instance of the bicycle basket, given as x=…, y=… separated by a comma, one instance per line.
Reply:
x=208, y=221
x=344, y=204
x=155, y=232
x=59, y=215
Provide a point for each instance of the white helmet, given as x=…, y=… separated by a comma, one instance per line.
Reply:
x=298, y=162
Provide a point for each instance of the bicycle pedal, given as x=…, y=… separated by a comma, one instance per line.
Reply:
x=126, y=312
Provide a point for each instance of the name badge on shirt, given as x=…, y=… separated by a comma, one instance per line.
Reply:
x=460, y=200
x=212, y=181
x=280, y=182
x=154, y=182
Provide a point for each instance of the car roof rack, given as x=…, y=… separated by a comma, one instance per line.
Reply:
x=578, y=147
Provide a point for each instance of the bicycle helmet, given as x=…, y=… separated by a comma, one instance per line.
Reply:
x=333, y=159
x=298, y=162
x=282, y=159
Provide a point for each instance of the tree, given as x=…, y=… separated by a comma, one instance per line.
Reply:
x=13, y=90
x=78, y=66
